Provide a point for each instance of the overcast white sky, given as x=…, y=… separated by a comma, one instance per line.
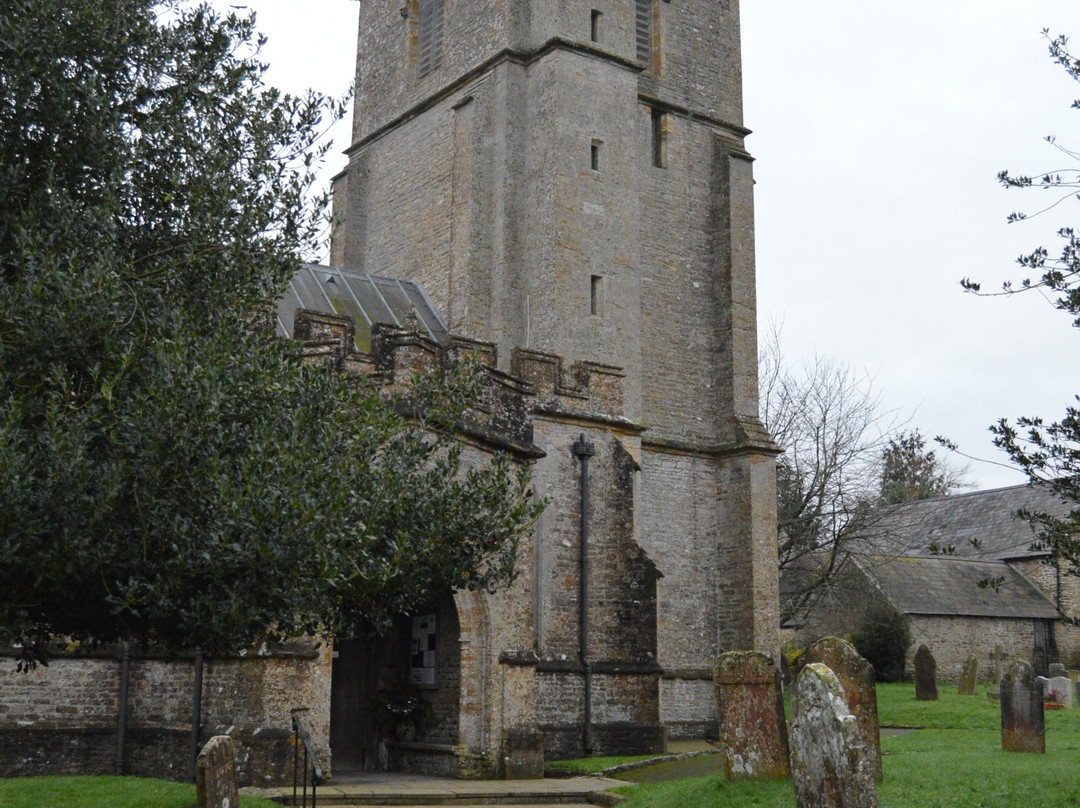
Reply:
x=879, y=129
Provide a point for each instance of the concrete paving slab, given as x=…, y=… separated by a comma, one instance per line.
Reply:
x=405, y=790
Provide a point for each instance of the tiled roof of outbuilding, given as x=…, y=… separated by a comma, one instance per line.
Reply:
x=986, y=517
x=948, y=586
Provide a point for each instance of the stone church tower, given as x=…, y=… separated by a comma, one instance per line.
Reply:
x=567, y=180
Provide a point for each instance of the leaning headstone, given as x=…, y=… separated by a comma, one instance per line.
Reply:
x=1022, y=720
x=1055, y=669
x=856, y=677
x=925, y=675
x=1059, y=688
x=215, y=774
x=830, y=764
x=969, y=676
x=753, y=729
x=997, y=668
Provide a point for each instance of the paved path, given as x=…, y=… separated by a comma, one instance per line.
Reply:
x=410, y=789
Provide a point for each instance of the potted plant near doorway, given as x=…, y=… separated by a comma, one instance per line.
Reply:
x=403, y=712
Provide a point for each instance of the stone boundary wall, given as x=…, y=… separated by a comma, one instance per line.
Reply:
x=63, y=718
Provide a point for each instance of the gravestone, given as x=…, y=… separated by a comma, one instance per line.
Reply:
x=925, y=675
x=856, y=677
x=1073, y=674
x=1059, y=688
x=830, y=764
x=1055, y=669
x=750, y=704
x=1022, y=719
x=969, y=676
x=997, y=670
x=215, y=774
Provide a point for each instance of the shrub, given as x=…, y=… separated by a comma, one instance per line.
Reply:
x=883, y=639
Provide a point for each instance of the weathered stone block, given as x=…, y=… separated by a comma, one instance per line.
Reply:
x=215, y=774
x=753, y=729
x=523, y=755
x=829, y=761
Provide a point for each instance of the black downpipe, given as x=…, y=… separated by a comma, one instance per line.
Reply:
x=196, y=713
x=584, y=450
x=121, y=727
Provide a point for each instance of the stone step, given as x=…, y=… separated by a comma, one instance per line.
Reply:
x=351, y=804
x=411, y=792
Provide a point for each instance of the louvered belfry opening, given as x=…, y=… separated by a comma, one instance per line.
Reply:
x=644, y=31
x=429, y=35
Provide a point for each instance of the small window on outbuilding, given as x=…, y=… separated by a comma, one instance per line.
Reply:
x=429, y=35
x=594, y=154
x=594, y=25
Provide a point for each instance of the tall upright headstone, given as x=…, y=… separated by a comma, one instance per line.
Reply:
x=925, y=675
x=1023, y=727
x=753, y=728
x=997, y=670
x=830, y=764
x=969, y=676
x=857, y=678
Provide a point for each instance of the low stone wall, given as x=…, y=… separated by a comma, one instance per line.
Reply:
x=64, y=718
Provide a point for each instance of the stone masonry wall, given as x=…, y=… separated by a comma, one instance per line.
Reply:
x=1063, y=590
x=951, y=639
x=63, y=719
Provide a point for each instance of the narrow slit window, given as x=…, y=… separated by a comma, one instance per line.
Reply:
x=596, y=294
x=594, y=154
x=644, y=26
x=657, y=138
x=429, y=35
x=594, y=26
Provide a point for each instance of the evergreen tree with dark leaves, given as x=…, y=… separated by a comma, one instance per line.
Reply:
x=171, y=472
x=910, y=471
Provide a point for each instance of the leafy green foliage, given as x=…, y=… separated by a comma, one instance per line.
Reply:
x=909, y=471
x=170, y=471
x=105, y=792
x=883, y=640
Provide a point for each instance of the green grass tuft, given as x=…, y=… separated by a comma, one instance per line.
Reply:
x=104, y=792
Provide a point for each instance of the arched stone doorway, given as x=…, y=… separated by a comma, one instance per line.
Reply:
x=395, y=698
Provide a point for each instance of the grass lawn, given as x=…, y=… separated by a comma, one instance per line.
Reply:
x=956, y=762
x=103, y=792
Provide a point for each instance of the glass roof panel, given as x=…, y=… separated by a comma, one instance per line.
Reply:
x=367, y=299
